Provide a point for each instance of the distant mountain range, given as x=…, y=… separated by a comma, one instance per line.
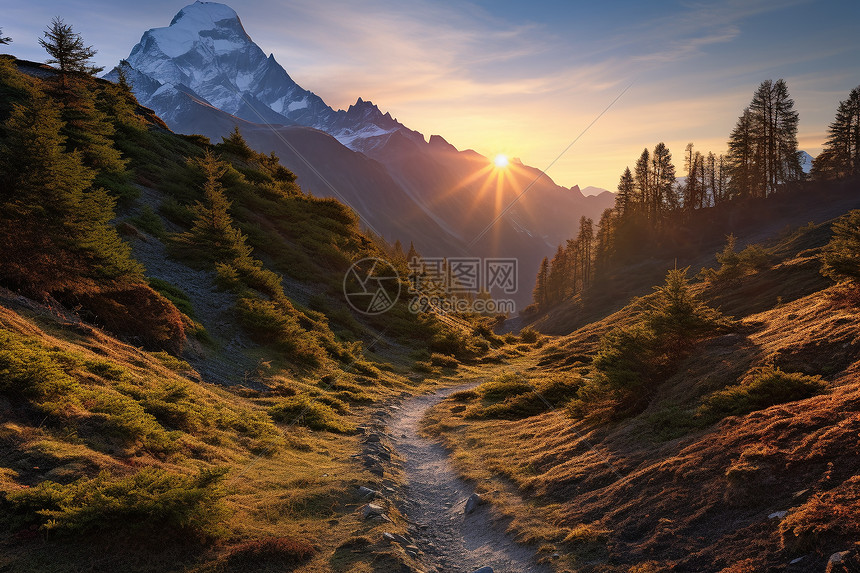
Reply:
x=203, y=74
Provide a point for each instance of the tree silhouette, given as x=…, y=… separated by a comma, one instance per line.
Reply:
x=763, y=145
x=67, y=49
x=625, y=199
x=841, y=155
x=540, y=292
x=4, y=39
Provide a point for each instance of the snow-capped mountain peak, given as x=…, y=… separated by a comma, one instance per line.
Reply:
x=206, y=54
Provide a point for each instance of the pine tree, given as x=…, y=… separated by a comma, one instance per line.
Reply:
x=56, y=232
x=4, y=39
x=711, y=176
x=67, y=49
x=236, y=145
x=741, y=159
x=213, y=236
x=642, y=180
x=585, y=238
x=557, y=277
x=397, y=252
x=662, y=179
x=412, y=254
x=842, y=253
x=624, y=199
x=605, y=241
x=540, y=291
x=770, y=140
x=841, y=155
x=89, y=129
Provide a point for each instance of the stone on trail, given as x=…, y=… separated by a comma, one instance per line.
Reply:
x=371, y=510
x=473, y=502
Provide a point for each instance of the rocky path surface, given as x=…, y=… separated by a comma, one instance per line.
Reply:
x=451, y=539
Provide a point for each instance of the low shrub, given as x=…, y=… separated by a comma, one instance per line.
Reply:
x=768, y=387
x=529, y=335
x=826, y=522
x=153, y=500
x=306, y=411
x=503, y=387
x=28, y=370
x=149, y=221
x=137, y=313
x=510, y=398
x=443, y=360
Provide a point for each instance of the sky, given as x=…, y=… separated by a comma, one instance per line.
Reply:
x=527, y=79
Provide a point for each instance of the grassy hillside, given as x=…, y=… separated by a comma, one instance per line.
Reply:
x=731, y=449
x=182, y=383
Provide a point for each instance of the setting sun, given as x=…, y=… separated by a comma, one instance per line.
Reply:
x=501, y=161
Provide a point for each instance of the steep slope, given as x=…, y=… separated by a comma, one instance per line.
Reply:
x=234, y=451
x=710, y=476
x=414, y=190
x=692, y=241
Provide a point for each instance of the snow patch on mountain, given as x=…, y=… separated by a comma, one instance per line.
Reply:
x=206, y=54
x=805, y=162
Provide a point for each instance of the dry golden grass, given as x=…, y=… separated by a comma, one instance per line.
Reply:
x=287, y=486
x=630, y=495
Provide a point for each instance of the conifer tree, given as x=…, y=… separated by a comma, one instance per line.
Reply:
x=67, y=49
x=412, y=254
x=213, y=236
x=540, y=291
x=4, y=39
x=624, y=199
x=585, y=238
x=557, y=277
x=842, y=253
x=741, y=160
x=763, y=145
x=642, y=180
x=605, y=241
x=56, y=229
x=841, y=155
x=663, y=179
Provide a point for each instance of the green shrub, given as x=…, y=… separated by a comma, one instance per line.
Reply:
x=423, y=366
x=511, y=399
x=443, y=361
x=840, y=255
x=28, y=370
x=149, y=221
x=269, y=323
x=306, y=411
x=464, y=395
x=768, y=387
x=174, y=294
x=529, y=335
x=734, y=265
x=153, y=501
x=633, y=359
x=503, y=387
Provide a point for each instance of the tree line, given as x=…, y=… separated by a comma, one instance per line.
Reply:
x=762, y=160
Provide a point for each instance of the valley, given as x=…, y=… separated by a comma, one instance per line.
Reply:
x=243, y=330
